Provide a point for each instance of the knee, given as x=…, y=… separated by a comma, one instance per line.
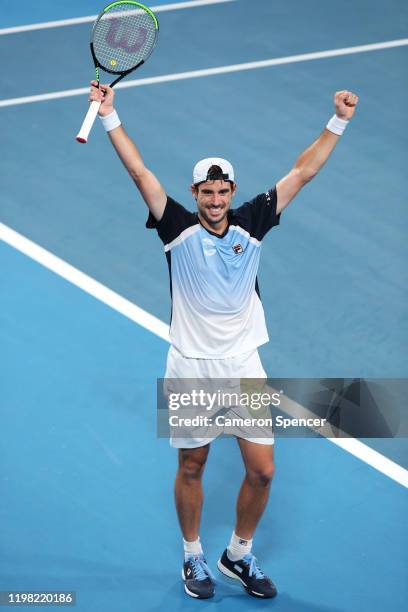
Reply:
x=191, y=467
x=261, y=476
x=191, y=470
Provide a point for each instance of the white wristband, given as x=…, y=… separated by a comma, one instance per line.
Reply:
x=337, y=125
x=111, y=121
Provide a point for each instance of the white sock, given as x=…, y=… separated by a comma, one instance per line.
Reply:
x=192, y=548
x=238, y=547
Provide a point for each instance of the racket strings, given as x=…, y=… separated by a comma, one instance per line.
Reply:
x=123, y=37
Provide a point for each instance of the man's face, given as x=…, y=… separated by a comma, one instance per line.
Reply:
x=214, y=201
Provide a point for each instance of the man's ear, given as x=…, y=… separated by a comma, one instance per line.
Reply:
x=233, y=188
x=194, y=191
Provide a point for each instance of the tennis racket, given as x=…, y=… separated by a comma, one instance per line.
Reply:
x=123, y=37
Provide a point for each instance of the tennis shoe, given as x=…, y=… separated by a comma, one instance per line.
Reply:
x=247, y=571
x=199, y=582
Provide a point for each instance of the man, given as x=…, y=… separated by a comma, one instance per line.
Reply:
x=218, y=321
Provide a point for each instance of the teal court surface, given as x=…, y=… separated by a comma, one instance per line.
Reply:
x=86, y=486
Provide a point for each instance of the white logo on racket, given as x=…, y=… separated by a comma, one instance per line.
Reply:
x=208, y=247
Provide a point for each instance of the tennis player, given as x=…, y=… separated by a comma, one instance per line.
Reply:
x=218, y=320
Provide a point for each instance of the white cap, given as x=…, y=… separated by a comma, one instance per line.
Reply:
x=200, y=172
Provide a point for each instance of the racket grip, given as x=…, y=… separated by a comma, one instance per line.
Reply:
x=90, y=117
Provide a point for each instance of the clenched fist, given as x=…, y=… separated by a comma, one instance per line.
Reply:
x=345, y=103
x=103, y=94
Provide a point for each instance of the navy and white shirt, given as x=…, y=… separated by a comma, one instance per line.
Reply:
x=216, y=306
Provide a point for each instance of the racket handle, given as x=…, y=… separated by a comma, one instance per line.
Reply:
x=90, y=117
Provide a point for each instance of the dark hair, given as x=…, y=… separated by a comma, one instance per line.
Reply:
x=215, y=173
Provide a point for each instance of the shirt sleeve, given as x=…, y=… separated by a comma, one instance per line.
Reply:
x=258, y=215
x=175, y=220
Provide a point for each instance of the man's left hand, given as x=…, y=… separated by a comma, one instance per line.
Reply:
x=345, y=102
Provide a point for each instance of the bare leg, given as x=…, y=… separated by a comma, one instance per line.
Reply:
x=188, y=490
x=254, y=493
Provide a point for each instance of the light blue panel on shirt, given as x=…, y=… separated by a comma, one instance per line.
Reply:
x=211, y=274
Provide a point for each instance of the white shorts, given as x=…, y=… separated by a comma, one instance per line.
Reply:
x=245, y=366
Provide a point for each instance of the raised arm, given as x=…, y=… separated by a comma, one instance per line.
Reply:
x=315, y=156
x=147, y=183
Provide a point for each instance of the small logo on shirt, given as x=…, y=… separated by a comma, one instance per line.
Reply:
x=268, y=197
x=208, y=247
x=237, y=248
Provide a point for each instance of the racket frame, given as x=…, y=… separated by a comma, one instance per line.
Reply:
x=90, y=117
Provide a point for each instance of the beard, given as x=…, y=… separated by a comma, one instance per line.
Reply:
x=212, y=219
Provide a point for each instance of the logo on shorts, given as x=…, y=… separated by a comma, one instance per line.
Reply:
x=237, y=248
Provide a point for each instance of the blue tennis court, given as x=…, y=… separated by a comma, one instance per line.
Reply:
x=87, y=487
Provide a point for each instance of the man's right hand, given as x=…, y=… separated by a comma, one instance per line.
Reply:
x=103, y=94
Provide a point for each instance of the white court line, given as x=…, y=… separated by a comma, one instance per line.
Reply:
x=351, y=445
x=84, y=282
x=374, y=458
x=159, y=328
x=193, y=74
x=90, y=18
